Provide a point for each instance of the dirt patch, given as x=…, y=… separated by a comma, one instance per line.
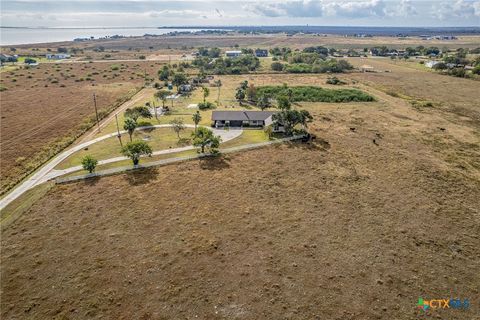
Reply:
x=340, y=229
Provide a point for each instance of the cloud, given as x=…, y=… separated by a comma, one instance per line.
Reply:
x=406, y=9
x=456, y=10
x=319, y=8
x=297, y=9
x=357, y=9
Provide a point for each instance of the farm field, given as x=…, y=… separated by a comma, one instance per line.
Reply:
x=341, y=228
x=45, y=108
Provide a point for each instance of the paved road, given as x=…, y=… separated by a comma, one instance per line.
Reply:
x=47, y=172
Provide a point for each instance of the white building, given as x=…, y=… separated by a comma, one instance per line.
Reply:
x=431, y=63
x=57, y=56
x=233, y=53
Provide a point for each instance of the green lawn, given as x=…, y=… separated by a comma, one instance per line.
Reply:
x=143, y=160
x=38, y=59
x=248, y=136
x=160, y=139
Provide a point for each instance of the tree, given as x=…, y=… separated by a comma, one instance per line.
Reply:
x=164, y=74
x=162, y=95
x=290, y=118
x=203, y=137
x=135, y=149
x=196, y=119
x=219, y=84
x=177, y=126
x=30, y=61
x=263, y=102
x=240, y=95
x=252, y=93
x=130, y=125
x=284, y=103
x=206, y=93
x=244, y=85
x=179, y=79
x=276, y=66
x=89, y=163
x=137, y=112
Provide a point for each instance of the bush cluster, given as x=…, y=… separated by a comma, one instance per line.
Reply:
x=315, y=94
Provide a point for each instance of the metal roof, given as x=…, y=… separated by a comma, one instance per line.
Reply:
x=241, y=115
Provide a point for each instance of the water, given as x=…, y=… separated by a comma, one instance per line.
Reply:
x=15, y=36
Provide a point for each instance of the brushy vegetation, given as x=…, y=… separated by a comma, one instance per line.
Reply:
x=315, y=94
x=333, y=66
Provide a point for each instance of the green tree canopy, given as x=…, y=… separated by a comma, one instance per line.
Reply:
x=89, y=163
x=130, y=125
x=135, y=149
x=204, y=138
x=137, y=112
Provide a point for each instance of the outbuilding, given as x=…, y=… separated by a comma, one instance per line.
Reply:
x=261, y=53
x=233, y=53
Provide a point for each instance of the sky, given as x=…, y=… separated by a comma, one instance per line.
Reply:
x=155, y=13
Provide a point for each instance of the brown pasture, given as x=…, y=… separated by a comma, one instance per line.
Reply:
x=45, y=107
x=381, y=209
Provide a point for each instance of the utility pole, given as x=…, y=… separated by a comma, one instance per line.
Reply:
x=119, y=136
x=96, y=111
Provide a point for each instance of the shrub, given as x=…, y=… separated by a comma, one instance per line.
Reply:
x=335, y=81
x=206, y=105
x=315, y=94
x=277, y=66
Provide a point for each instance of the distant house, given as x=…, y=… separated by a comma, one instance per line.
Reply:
x=261, y=53
x=233, y=53
x=185, y=88
x=255, y=119
x=431, y=63
x=8, y=58
x=57, y=56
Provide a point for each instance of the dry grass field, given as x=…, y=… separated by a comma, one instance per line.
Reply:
x=457, y=95
x=45, y=108
x=174, y=43
x=382, y=209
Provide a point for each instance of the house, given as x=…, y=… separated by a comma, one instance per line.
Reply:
x=255, y=119
x=261, y=53
x=431, y=63
x=185, y=88
x=57, y=56
x=233, y=53
x=8, y=58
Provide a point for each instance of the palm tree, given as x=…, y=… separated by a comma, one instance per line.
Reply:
x=219, y=84
x=130, y=125
x=206, y=93
x=196, y=119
